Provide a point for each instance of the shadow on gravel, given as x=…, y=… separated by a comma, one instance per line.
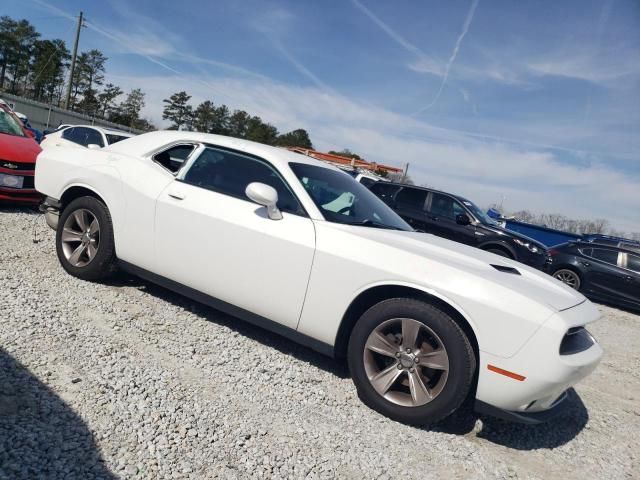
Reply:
x=272, y=340
x=555, y=433
x=40, y=435
x=8, y=207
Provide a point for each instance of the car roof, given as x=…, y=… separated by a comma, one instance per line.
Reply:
x=147, y=143
x=106, y=131
x=583, y=243
x=427, y=189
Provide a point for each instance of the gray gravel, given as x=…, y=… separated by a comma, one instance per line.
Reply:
x=128, y=380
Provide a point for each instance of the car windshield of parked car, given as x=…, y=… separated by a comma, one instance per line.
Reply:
x=479, y=214
x=343, y=200
x=9, y=125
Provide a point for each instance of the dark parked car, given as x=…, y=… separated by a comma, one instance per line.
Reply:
x=458, y=219
x=603, y=272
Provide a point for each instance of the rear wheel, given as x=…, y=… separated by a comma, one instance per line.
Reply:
x=410, y=361
x=568, y=277
x=84, y=239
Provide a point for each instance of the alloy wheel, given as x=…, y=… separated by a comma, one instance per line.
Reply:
x=569, y=278
x=80, y=237
x=406, y=362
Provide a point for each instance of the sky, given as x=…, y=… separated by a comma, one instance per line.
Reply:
x=533, y=105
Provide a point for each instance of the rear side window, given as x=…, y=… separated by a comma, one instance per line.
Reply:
x=633, y=262
x=411, y=198
x=111, y=139
x=173, y=158
x=230, y=173
x=605, y=255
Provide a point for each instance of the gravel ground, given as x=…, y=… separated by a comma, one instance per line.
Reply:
x=128, y=380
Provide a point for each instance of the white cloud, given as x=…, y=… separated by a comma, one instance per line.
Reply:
x=482, y=169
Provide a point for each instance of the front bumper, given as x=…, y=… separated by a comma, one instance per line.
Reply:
x=528, y=418
x=27, y=193
x=543, y=374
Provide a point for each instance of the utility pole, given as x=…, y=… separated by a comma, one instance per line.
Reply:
x=404, y=174
x=73, y=62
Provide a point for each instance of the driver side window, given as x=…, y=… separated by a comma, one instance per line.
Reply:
x=229, y=173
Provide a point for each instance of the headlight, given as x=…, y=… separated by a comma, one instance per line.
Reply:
x=527, y=245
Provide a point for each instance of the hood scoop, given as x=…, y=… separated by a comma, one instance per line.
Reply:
x=505, y=269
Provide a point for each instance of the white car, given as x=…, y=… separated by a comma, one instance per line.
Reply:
x=84, y=136
x=299, y=247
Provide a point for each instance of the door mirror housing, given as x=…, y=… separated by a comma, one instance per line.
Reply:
x=463, y=219
x=94, y=146
x=265, y=195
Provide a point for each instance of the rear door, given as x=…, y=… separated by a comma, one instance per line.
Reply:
x=410, y=205
x=604, y=273
x=631, y=286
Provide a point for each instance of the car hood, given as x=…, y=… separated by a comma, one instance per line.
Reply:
x=531, y=283
x=510, y=234
x=18, y=149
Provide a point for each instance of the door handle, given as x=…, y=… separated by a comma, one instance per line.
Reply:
x=176, y=194
x=433, y=217
x=628, y=278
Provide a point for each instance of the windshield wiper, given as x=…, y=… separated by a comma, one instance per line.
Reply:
x=367, y=222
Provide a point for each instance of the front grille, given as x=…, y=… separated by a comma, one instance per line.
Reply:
x=29, y=183
x=576, y=340
x=17, y=166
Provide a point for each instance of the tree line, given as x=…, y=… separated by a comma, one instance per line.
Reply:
x=38, y=68
x=208, y=117
x=558, y=221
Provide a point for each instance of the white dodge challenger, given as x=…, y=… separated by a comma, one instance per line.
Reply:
x=298, y=247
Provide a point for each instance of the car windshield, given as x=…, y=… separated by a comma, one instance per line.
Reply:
x=343, y=200
x=9, y=125
x=479, y=214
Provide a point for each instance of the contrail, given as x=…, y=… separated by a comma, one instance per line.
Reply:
x=454, y=54
x=389, y=31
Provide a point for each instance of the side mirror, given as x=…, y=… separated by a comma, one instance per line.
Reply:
x=29, y=133
x=265, y=195
x=463, y=219
x=94, y=146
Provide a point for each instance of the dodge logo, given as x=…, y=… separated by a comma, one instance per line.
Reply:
x=10, y=165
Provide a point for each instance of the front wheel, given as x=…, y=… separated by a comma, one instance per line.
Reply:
x=410, y=361
x=84, y=239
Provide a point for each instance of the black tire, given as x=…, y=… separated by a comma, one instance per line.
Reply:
x=103, y=264
x=500, y=252
x=462, y=361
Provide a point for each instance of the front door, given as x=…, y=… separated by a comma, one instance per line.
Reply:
x=209, y=236
x=441, y=219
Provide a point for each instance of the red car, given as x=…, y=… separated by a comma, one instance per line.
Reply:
x=18, y=153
